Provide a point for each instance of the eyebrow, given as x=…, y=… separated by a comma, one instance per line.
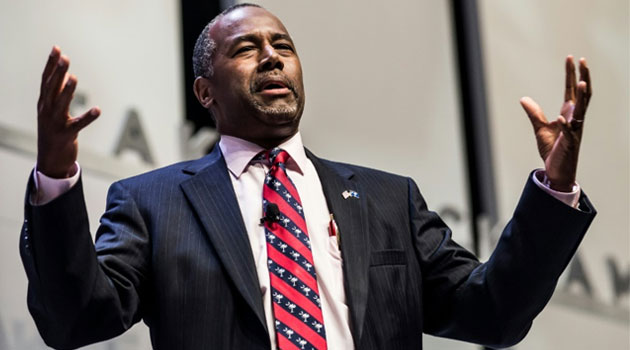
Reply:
x=256, y=38
x=281, y=36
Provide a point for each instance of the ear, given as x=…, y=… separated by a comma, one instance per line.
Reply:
x=203, y=91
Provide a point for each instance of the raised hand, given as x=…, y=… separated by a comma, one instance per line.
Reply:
x=559, y=140
x=57, y=130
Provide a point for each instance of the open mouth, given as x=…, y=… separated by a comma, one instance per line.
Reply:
x=273, y=87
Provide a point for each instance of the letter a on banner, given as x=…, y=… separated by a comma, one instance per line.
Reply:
x=133, y=138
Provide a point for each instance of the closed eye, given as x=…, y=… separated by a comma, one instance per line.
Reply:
x=283, y=47
x=244, y=49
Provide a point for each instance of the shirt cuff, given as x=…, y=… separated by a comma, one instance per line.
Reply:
x=48, y=188
x=569, y=198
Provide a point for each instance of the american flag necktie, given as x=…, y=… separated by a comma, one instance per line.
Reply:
x=295, y=296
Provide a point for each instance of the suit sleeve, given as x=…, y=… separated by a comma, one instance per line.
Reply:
x=494, y=303
x=76, y=294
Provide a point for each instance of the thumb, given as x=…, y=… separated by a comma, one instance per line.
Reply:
x=534, y=112
x=85, y=119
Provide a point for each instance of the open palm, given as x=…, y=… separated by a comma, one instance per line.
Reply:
x=57, y=130
x=559, y=140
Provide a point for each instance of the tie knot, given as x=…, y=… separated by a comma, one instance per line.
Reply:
x=277, y=156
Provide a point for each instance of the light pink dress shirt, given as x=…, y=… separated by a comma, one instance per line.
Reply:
x=247, y=179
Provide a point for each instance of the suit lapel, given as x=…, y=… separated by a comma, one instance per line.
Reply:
x=212, y=197
x=351, y=217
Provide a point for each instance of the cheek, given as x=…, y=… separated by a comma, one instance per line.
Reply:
x=233, y=75
x=297, y=76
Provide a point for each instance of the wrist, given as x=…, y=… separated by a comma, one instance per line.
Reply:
x=57, y=172
x=570, y=198
x=560, y=187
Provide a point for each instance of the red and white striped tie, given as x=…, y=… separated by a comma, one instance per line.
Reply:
x=295, y=296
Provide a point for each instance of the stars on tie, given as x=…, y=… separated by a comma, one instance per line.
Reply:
x=293, y=279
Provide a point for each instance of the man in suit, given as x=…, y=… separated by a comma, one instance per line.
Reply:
x=184, y=247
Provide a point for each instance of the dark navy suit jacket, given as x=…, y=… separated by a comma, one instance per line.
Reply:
x=173, y=251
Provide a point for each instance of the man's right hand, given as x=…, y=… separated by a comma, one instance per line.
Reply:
x=57, y=130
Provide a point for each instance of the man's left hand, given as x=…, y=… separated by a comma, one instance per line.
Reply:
x=559, y=140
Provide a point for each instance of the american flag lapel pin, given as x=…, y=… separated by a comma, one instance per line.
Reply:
x=350, y=193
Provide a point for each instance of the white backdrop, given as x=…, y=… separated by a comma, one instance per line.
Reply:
x=126, y=55
x=525, y=46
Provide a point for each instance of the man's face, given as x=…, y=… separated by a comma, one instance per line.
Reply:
x=257, y=88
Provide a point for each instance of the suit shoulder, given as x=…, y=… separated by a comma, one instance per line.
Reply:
x=363, y=172
x=173, y=173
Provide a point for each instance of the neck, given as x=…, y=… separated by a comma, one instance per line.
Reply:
x=265, y=142
x=271, y=143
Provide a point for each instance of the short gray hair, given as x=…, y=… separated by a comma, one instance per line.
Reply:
x=205, y=46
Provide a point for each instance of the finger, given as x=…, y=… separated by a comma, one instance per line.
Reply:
x=62, y=104
x=585, y=76
x=534, y=112
x=581, y=105
x=584, y=92
x=53, y=85
x=567, y=109
x=85, y=119
x=576, y=125
x=569, y=82
x=53, y=58
x=564, y=125
x=569, y=130
x=582, y=100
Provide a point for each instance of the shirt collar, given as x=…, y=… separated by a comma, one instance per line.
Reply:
x=238, y=153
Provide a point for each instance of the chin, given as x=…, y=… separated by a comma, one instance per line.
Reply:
x=278, y=115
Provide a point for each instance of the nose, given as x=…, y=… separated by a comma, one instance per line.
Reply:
x=270, y=59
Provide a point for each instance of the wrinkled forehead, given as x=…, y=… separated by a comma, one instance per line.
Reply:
x=244, y=21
